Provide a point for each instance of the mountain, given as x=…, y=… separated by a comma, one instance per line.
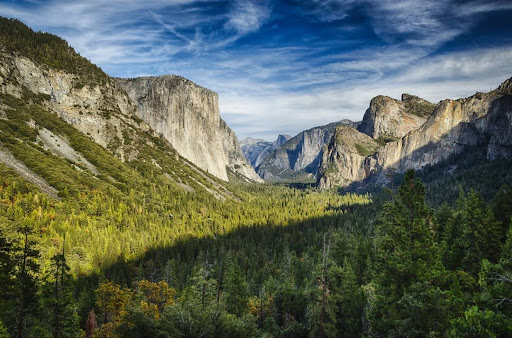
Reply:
x=387, y=118
x=256, y=150
x=300, y=155
x=343, y=159
x=483, y=120
x=187, y=115
x=56, y=105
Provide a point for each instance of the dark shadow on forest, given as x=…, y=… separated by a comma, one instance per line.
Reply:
x=257, y=244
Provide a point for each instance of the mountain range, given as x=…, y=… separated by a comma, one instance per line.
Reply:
x=393, y=136
x=130, y=118
x=483, y=120
x=256, y=150
x=120, y=114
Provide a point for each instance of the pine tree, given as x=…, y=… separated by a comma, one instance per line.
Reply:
x=57, y=297
x=7, y=264
x=236, y=290
x=407, y=267
x=323, y=308
x=27, y=270
x=481, y=234
x=349, y=298
x=502, y=203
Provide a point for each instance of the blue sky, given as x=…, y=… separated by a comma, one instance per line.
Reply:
x=282, y=66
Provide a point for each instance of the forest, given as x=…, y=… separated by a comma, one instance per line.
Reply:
x=277, y=262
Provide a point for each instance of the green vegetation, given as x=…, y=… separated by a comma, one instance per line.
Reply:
x=383, y=139
x=366, y=149
x=280, y=261
x=49, y=50
x=419, y=107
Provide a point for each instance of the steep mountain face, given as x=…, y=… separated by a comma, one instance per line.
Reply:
x=235, y=159
x=484, y=119
x=187, y=115
x=300, y=153
x=343, y=158
x=66, y=126
x=256, y=150
x=387, y=118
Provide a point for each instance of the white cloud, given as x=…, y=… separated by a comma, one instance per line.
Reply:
x=451, y=75
x=247, y=16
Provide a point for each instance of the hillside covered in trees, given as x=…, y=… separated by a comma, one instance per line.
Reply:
x=129, y=248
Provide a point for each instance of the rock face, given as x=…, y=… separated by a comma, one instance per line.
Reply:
x=187, y=115
x=387, y=118
x=343, y=159
x=100, y=110
x=256, y=150
x=236, y=161
x=301, y=153
x=484, y=119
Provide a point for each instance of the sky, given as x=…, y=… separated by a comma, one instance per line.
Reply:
x=283, y=66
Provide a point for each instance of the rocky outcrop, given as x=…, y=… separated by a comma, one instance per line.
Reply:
x=187, y=115
x=484, y=119
x=256, y=150
x=343, y=159
x=388, y=119
x=301, y=153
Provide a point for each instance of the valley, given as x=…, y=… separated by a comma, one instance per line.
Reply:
x=129, y=208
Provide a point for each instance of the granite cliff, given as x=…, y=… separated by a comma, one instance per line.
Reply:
x=483, y=119
x=187, y=115
x=96, y=106
x=52, y=78
x=343, y=159
x=387, y=118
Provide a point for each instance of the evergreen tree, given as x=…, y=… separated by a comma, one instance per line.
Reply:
x=27, y=269
x=502, y=206
x=204, y=286
x=481, y=234
x=349, y=298
x=236, y=289
x=323, y=309
x=407, y=267
x=7, y=281
x=58, y=300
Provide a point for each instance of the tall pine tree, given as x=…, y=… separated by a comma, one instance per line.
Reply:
x=407, y=267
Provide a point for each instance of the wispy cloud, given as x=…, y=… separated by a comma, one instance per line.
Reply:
x=247, y=16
